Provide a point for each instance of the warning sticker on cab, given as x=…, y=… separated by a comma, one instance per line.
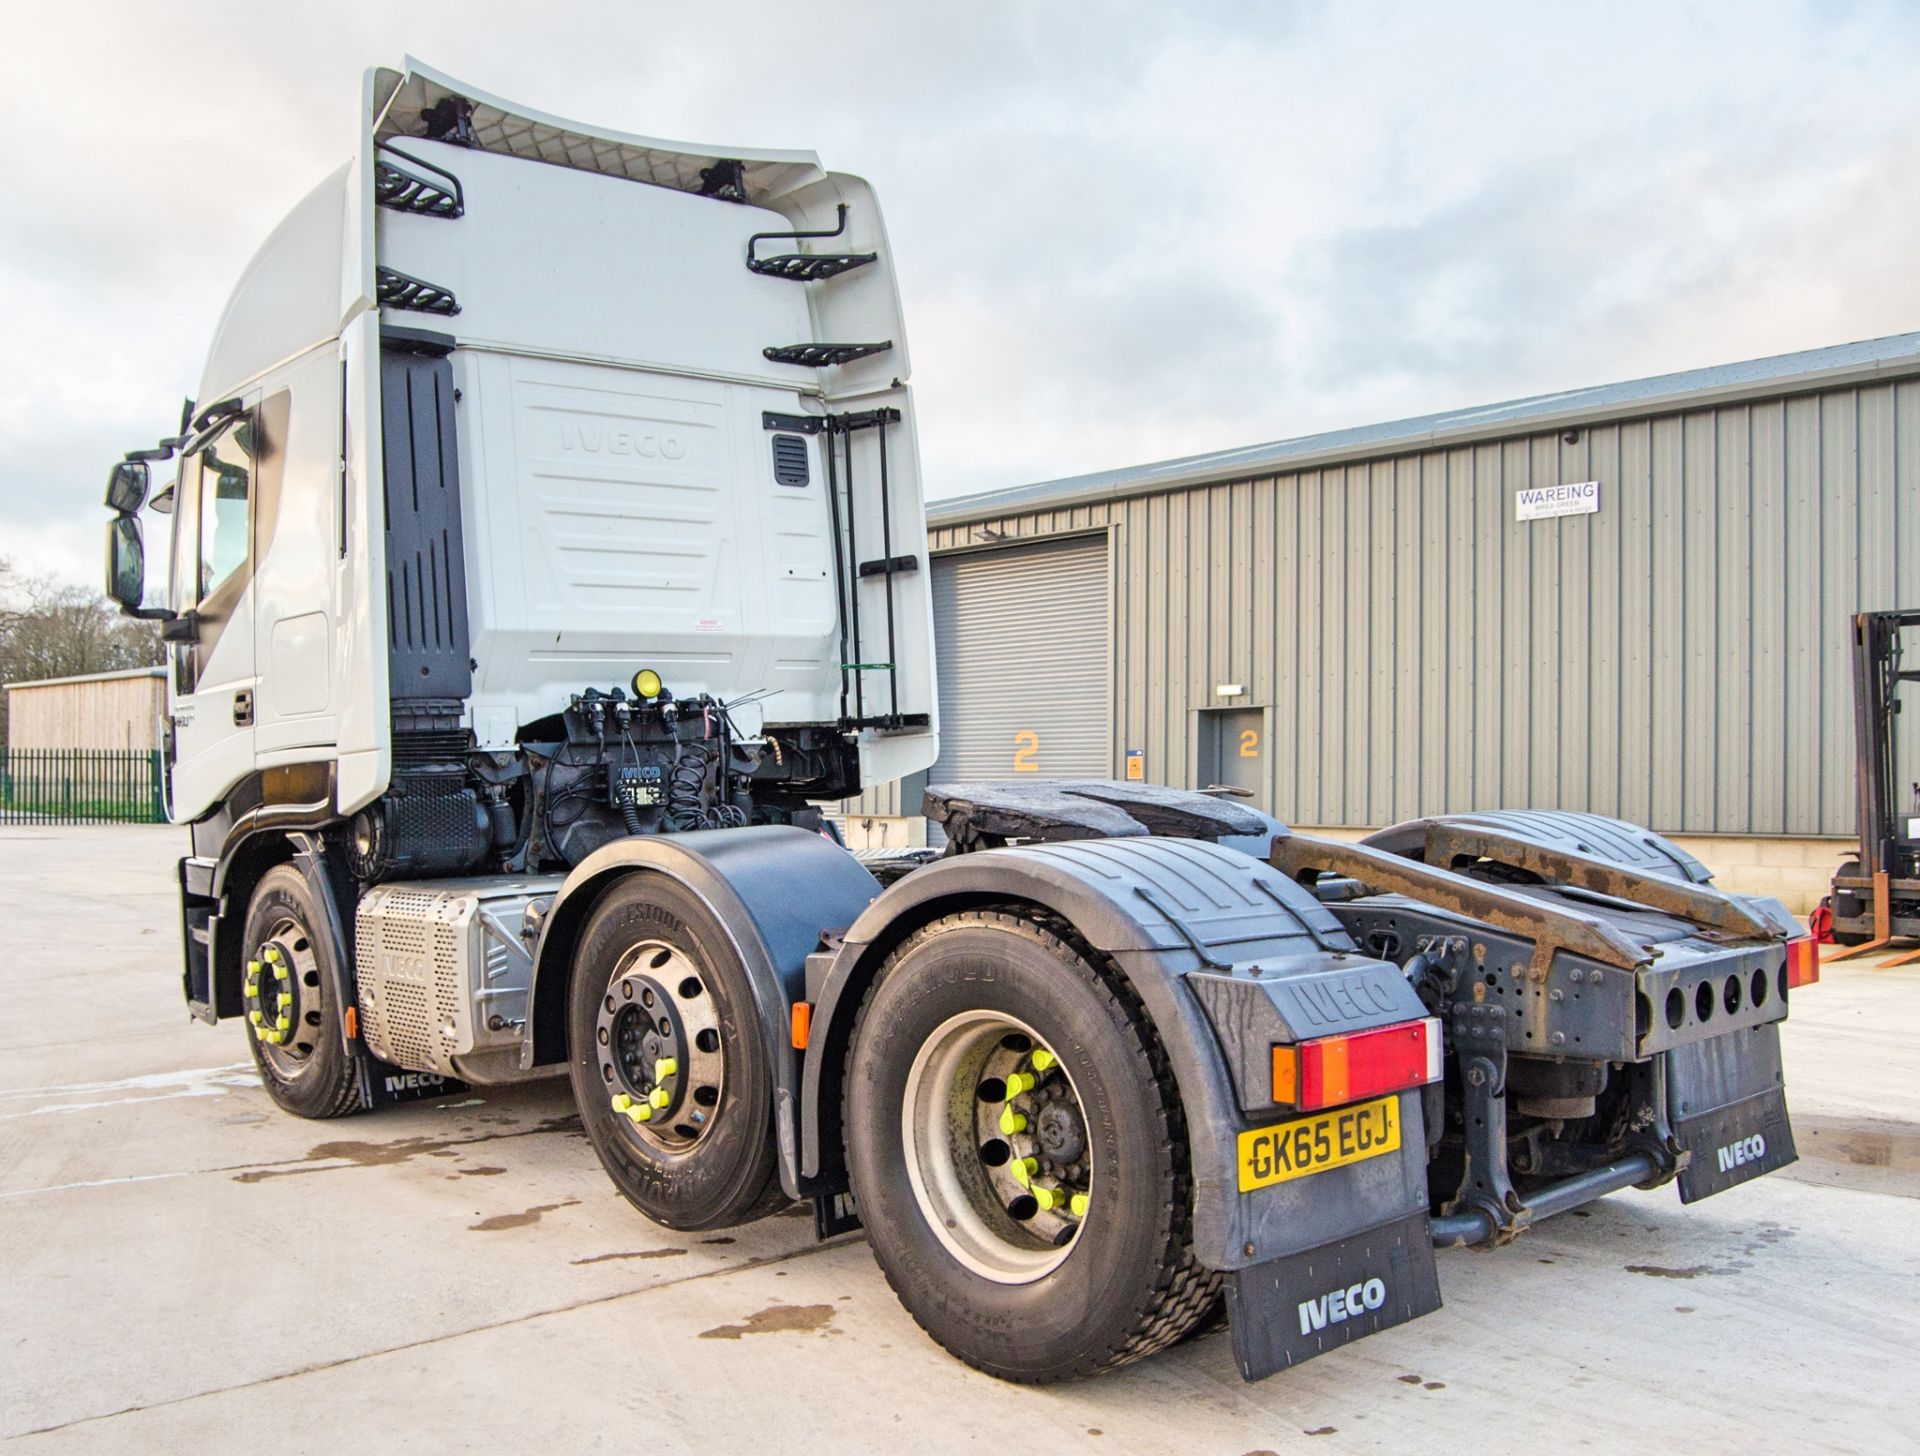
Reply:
x=1290, y=1150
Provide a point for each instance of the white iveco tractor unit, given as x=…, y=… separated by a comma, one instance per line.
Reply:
x=548, y=540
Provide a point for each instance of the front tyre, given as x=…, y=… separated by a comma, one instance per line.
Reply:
x=293, y=1023
x=1019, y=1155
x=668, y=1059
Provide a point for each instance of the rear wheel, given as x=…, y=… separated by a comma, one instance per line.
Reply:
x=1019, y=1155
x=668, y=1059
x=293, y=1025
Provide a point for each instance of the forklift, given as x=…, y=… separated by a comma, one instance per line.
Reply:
x=1876, y=894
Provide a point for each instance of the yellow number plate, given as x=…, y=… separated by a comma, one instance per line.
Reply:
x=1290, y=1150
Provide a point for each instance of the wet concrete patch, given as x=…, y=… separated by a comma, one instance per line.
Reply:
x=329, y=1157
x=1656, y=1271
x=778, y=1319
x=523, y=1219
x=631, y=1254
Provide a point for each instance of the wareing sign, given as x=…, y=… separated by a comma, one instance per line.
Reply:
x=1543, y=502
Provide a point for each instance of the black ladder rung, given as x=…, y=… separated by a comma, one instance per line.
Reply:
x=395, y=289
x=408, y=191
x=810, y=267
x=822, y=356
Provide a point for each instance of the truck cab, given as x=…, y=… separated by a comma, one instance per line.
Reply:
x=544, y=484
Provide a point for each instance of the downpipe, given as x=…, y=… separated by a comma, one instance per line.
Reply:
x=1459, y=1230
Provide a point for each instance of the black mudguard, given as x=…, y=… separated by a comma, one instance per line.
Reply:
x=775, y=889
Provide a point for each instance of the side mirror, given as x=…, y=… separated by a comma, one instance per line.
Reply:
x=126, y=563
x=127, y=486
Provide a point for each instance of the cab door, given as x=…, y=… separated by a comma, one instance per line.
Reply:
x=211, y=680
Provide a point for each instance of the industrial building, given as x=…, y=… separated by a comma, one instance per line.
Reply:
x=1631, y=599
x=121, y=712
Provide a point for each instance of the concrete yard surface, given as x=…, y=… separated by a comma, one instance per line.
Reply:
x=189, y=1270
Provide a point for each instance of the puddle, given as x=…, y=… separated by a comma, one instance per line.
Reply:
x=633, y=1254
x=1692, y=1271
x=779, y=1319
x=523, y=1219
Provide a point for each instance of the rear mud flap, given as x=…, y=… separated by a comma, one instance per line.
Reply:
x=1291, y=1309
x=1727, y=1103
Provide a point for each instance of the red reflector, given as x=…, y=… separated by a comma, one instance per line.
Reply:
x=1334, y=1070
x=1803, y=961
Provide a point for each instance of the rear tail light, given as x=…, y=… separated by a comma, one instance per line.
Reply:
x=1803, y=961
x=1333, y=1070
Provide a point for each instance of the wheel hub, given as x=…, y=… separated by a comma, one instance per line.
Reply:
x=657, y=1037
x=1060, y=1130
x=996, y=1146
x=280, y=995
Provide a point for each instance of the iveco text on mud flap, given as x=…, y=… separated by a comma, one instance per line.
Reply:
x=547, y=544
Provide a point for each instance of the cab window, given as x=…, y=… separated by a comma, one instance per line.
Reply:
x=224, y=467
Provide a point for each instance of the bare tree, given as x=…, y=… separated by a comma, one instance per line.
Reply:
x=51, y=629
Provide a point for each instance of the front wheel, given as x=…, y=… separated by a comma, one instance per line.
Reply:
x=1018, y=1153
x=293, y=1023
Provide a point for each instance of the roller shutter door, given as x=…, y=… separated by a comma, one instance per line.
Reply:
x=1024, y=662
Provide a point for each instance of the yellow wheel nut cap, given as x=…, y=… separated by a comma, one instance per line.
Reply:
x=659, y=1097
x=1022, y=1170
x=282, y=1023
x=1019, y=1082
x=665, y=1068
x=1042, y=1059
x=253, y=969
x=286, y=998
x=621, y=1102
x=1011, y=1121
x=640, y=1112
x=256, y=1018
x=1078, y=1205
x=273, y=953
x=1047, y=1198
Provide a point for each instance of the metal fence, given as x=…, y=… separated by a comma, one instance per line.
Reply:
x=79, y=786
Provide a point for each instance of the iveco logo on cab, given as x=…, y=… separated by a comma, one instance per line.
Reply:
x=599, y=440
x=1747, y=1150
x=410, y=1081
x=1341, y=1304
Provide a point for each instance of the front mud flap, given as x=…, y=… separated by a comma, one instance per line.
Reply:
x=382, y=1085
x=1290, y=1309
x=1727, y=1103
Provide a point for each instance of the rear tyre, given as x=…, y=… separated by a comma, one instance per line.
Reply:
x=293, y=1025
x=668, y=1059
x=1019, y=1154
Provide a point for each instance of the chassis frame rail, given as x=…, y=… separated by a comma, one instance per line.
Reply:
x=1701, y=904
x=1551, y=929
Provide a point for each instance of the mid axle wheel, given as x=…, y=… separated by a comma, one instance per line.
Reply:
x=1018, y=1152
x=670, y=1070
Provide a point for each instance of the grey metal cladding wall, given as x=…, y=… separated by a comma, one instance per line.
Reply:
x=1678, y=659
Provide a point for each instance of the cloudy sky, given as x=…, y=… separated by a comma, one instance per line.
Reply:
x=1124, y=231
